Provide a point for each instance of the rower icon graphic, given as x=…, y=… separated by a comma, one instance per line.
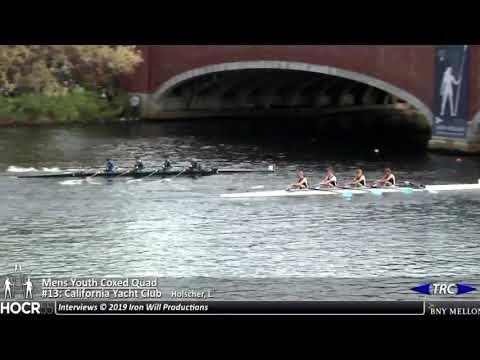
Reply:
x=28, y=291
x=17, y=280
x=8, y=288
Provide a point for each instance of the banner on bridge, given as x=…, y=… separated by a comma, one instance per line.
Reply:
x=451, y=91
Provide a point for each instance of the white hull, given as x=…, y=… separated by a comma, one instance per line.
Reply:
x=350, y=192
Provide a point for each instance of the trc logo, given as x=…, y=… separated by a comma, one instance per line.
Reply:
x=443, y=289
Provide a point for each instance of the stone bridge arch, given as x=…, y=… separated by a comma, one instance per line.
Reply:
x=170, y=84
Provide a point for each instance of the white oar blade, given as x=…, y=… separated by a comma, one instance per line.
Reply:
x=257, y=187
x=376, y=192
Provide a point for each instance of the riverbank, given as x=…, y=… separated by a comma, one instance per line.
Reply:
x=74, y=107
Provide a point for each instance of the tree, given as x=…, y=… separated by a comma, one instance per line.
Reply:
x=51, y=69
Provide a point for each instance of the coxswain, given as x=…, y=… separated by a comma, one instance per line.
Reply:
x=359, y=179
x=138, y=164
x=388, y=178
x=110, y=166
x=301, y=183
x=330, y=180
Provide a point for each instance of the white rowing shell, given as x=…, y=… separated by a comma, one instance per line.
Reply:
x=282, y=193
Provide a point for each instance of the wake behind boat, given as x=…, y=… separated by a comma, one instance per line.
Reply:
x=349, y=192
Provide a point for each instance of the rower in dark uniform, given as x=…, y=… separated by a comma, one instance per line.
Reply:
x=388, y=178
x=195, y=166
x=166, y=164
x=110, y=166
x=359, y=179
x=330, y=180
x=302, y=182
x=138, y=164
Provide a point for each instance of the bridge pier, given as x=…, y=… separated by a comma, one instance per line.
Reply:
x=469, y=145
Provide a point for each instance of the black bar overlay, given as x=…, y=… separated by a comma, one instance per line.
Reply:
x=239, y=307
x=426, y=308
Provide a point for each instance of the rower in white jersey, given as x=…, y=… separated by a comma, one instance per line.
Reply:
x=330, y=180
x=388, y=178
x=359, y=179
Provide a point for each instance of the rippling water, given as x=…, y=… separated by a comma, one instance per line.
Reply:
x=181, y=228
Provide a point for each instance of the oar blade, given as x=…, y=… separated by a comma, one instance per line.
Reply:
x=376, y=192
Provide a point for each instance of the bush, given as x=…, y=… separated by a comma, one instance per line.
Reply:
x=84, y=106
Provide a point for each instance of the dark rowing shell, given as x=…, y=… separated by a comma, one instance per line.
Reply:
x=135, y=174
x=145, y=173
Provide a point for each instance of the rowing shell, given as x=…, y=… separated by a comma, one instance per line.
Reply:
x=348, y=192
x=147, y=173
x=135, y=174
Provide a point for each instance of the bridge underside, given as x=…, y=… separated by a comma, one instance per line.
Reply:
x=292, y=102
x=264, y=89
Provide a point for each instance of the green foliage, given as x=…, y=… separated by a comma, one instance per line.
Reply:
x=60, y=83
x=72, y=107
x=50, y=69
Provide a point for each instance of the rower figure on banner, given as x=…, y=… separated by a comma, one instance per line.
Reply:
x=447, y=92
x=451, y=91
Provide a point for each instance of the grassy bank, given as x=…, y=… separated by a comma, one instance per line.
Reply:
x=74, y=107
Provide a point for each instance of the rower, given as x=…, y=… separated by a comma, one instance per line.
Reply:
x=195, y=166
x=330, y=180
x=138, y=164
x=359, y=179
x=302, y=181
x=166, y=164
x=388, y=178
x=110, y=166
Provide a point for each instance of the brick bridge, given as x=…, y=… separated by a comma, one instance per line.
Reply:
x=178, y=81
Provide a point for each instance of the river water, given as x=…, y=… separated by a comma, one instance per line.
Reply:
x=366, y=247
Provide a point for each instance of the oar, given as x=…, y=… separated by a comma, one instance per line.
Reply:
x=420, y=186
x=173, y=177
x=126, y=172
x=411, y=184
x=407, y=190
x=377, y=192
x=347, y=193
x=346, y=190
x=153, y=172
x=136, y=180
x=90, y=177
x=98, y=172
x=296, y=189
